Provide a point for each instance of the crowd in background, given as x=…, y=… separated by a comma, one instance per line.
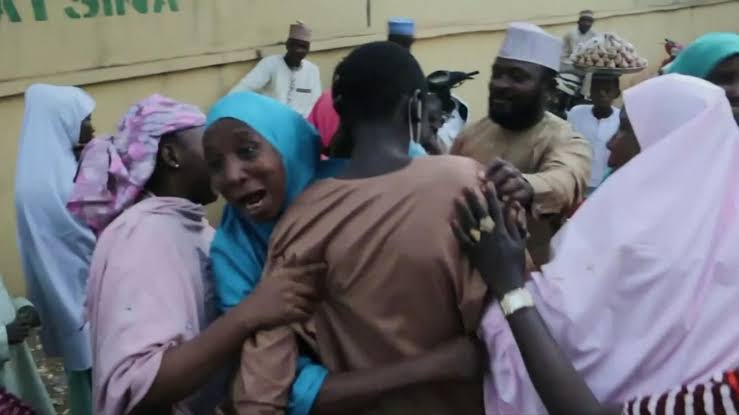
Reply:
x=382, y=252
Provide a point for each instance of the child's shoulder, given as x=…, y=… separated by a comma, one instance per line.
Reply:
x=451, y=170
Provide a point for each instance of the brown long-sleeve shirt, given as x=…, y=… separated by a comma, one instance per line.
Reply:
x=397, y=285
x=554, y=159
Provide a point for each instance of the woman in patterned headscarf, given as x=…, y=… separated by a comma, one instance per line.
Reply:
x=156, y=346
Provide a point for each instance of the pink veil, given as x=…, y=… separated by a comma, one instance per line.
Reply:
x=643, y=287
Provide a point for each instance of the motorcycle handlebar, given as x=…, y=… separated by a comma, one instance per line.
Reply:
x=449, y=79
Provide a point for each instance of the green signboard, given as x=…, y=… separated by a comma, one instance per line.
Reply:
x=85, y=9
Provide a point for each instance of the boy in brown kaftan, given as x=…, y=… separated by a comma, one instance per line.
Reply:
x=398, y=283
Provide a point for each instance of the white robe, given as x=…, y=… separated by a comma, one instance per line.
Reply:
x=455, y=124
x=598, y=133
x=298, y=88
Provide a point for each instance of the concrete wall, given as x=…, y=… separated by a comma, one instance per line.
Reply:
x=195, y=50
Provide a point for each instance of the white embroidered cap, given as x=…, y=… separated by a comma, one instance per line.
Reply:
x=300, y=31
x=527, y=42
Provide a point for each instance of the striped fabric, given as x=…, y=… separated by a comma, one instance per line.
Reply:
x=11, y=405
x=720, y=396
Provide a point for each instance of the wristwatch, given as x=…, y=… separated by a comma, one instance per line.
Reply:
x=516, y=300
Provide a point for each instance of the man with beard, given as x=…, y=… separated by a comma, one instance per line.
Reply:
x=534, y=157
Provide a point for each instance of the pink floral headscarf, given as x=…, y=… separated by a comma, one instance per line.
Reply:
x=114, y=169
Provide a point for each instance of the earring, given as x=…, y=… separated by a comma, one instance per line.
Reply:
x=177, y=165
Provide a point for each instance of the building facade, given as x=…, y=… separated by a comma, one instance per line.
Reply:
x=195, y=50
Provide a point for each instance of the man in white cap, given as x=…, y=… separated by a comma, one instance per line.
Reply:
x=534, y=157
x=289, y=78
x=402, y=31
x=580, y=34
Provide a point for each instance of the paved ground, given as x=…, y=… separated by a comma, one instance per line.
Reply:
x=52, y=372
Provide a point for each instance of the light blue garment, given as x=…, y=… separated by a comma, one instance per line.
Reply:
x=55, y=248
x=609, y=172
x=239, y=249
x=416, y=150
x=401, y=26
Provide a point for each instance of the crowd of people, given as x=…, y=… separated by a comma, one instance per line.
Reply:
x=363, y=264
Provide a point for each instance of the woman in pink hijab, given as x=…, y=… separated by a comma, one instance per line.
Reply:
x=157, y=346
x=325, y=119
x=640, y=295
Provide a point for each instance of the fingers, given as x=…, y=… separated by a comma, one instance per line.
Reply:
x=305, y=305
x=301, y=300
x=520, y=195
x=295, y=288
x=303, y=289
x=302, y=272
x=304, y=299
x=465, y=218
x=499, y=172
x=493, y=202
x=298, y=314
x=462, y=236
x=495, y=167
x=302, y=279
x=511, y=222
x=510, y=187
x=311, y=269
x=502, y=179
x=473, y=202
x=290, y=261
x=523, y=229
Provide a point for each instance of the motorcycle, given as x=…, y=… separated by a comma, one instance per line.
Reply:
x=568, y=93
x=456, y=112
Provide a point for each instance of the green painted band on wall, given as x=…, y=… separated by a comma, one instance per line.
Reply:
x=85, y=9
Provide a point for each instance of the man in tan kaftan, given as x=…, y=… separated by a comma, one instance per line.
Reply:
x=533, y=156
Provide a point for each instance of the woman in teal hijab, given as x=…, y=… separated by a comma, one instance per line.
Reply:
x=262, y=155
x=239, y=249
x=240, y=246
x=715, y=58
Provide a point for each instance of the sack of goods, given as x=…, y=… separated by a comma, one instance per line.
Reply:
x=608, y=51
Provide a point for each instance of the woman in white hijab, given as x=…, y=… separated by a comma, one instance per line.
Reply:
x=55, y=248
x=640, y=296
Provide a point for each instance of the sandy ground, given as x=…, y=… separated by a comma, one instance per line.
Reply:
x=52, y=372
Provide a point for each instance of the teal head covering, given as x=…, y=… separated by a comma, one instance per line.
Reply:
x=704, y=54
x=287, y=131
x=239, y=249
x=240, y=246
